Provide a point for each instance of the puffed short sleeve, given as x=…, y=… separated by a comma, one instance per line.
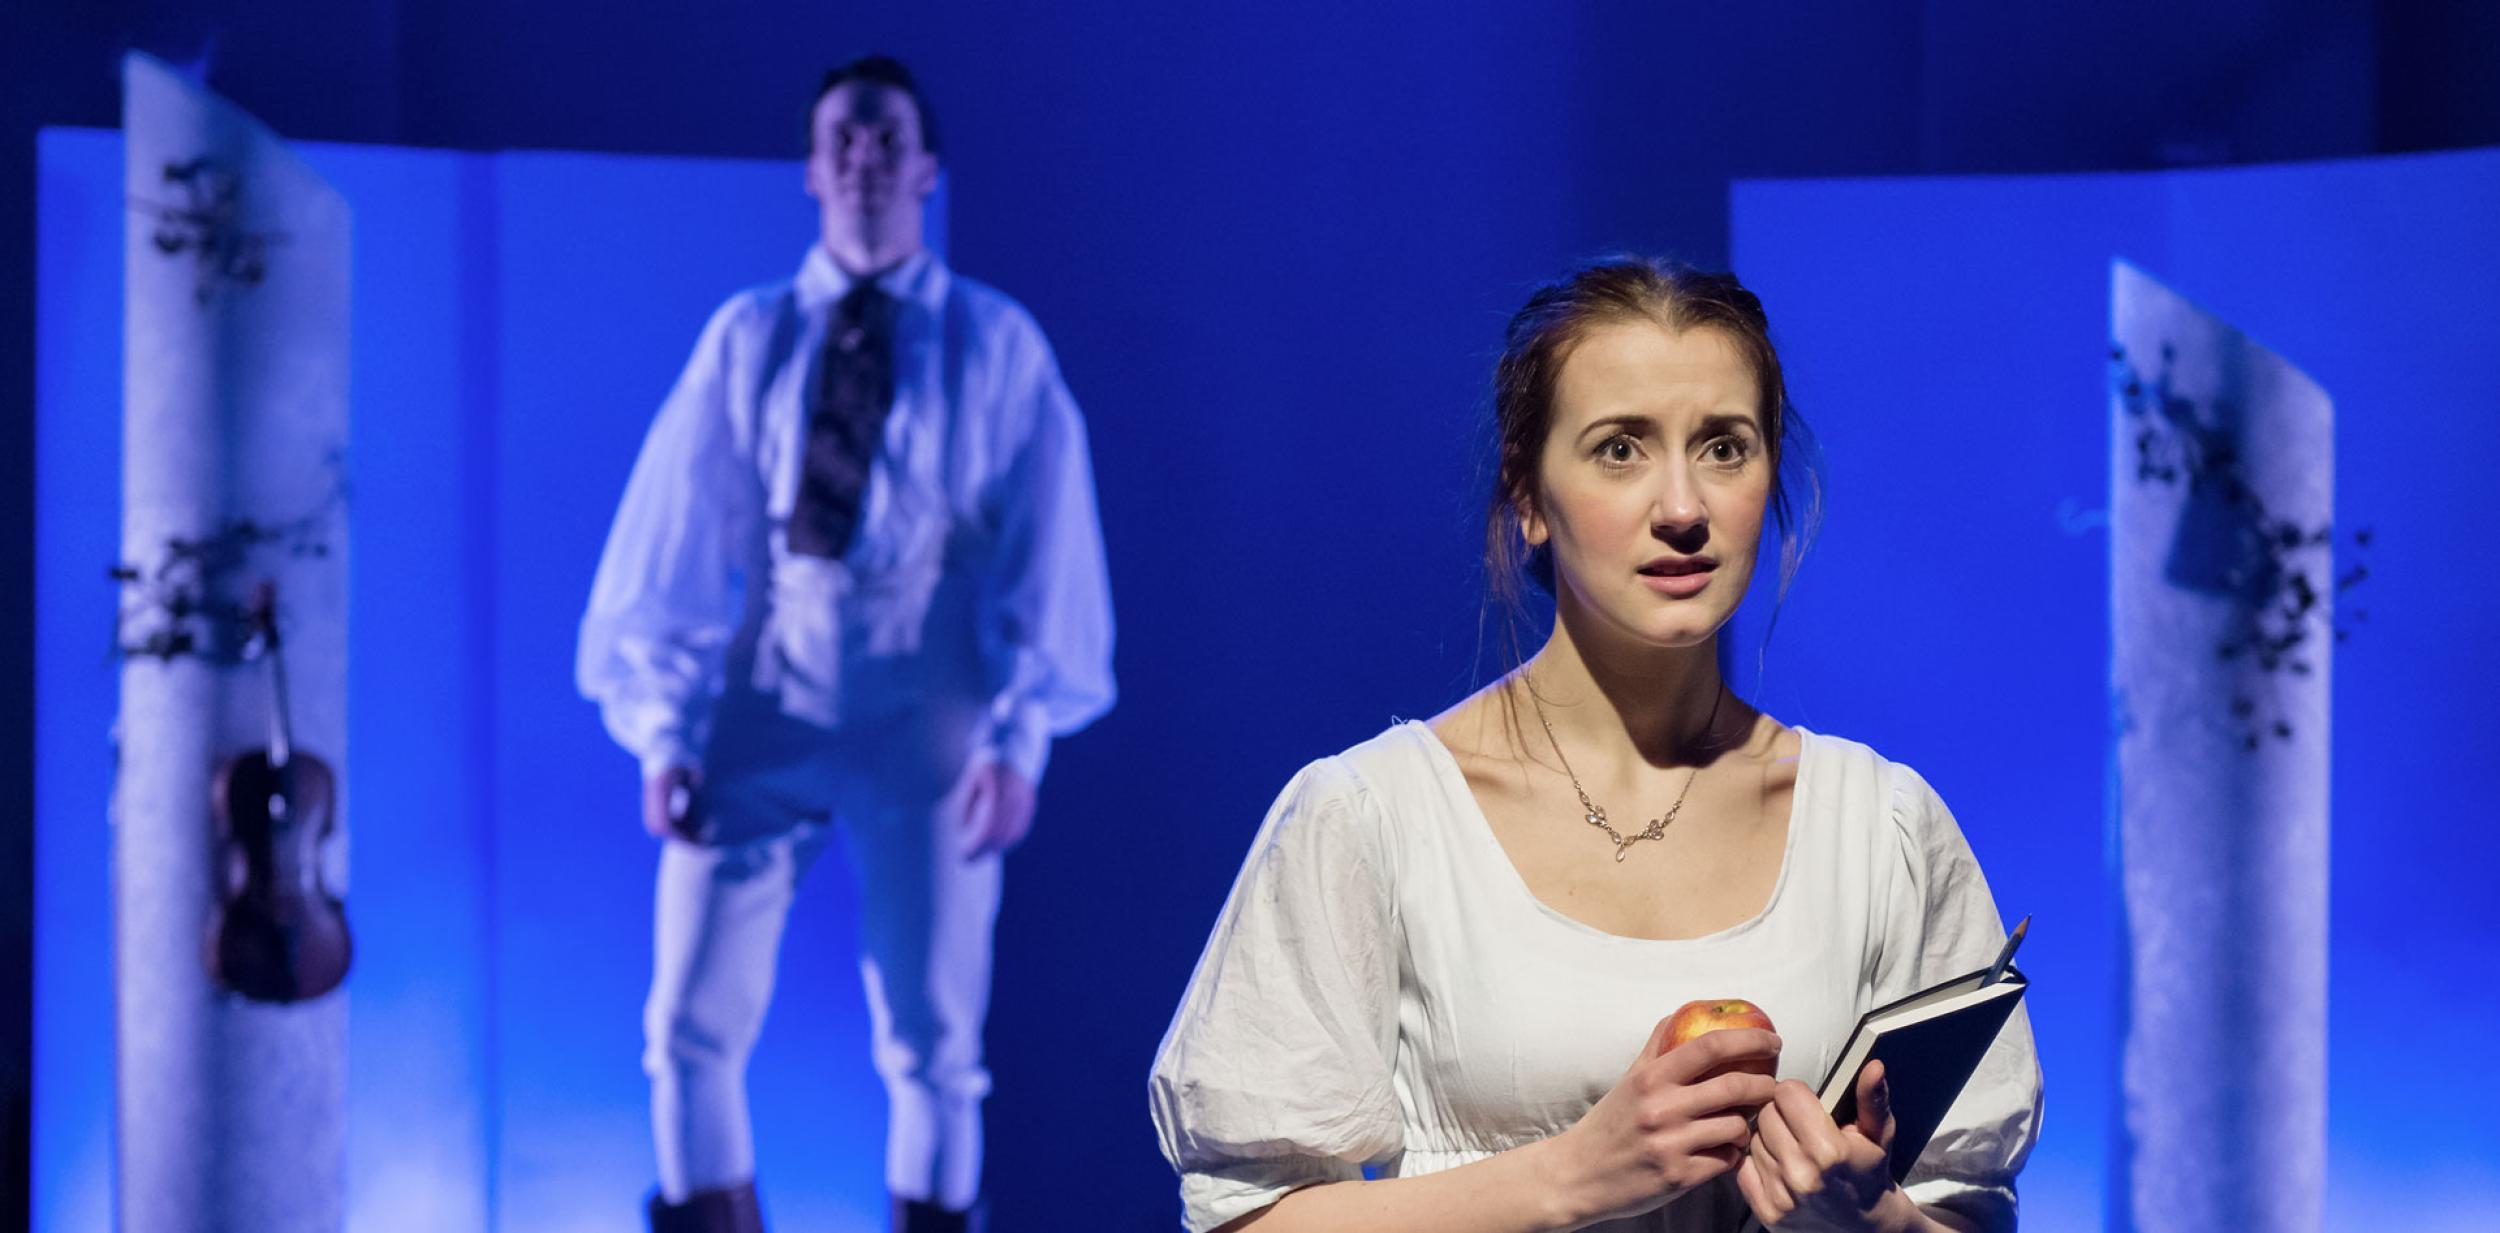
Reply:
x=1939, y=921
x=1276, y=1071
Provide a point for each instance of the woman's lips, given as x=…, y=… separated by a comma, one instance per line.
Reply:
x=1680, y=580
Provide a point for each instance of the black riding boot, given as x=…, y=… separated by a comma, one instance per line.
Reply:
x=914, y=1216
x=729, y=1209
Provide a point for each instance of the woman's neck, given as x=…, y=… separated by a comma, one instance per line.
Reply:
x=1662, y=705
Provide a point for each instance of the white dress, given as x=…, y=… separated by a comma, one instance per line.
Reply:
x=1383, y=989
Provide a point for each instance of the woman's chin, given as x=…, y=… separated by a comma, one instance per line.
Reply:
x=1644, y=623
x=1678, y=635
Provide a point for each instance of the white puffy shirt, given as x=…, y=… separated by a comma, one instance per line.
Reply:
x=976, y=571
x=1383, y=989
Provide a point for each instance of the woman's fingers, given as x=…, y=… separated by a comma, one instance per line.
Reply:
x=1737, y=1089
x=1874, y=1105
x=1655, y=1045
x=1712, y=1133
x=1711, y=1050
x=1769, y=1195
x=1791, y=1162
x=1818, y=1136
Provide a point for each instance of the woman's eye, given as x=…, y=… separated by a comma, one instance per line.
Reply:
x=1727, y=451
x=1618, y=449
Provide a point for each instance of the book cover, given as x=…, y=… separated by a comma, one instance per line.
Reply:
x=1929, y=1042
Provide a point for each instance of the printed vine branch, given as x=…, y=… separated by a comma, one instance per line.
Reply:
x=2274, y=569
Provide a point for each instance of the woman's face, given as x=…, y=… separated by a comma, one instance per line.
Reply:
x=1653, y=481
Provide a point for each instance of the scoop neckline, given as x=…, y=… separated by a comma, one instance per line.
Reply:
x=1445, y=764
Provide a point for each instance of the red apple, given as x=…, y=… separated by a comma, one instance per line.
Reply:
x=1693, y=1019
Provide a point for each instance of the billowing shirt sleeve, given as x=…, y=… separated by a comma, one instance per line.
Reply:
x=1276, y=1071
x=1046, y=628
x=667, y=597
x=1939, y=922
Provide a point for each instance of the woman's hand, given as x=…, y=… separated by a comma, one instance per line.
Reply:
x=1675, y=1120
x=1803, y=1171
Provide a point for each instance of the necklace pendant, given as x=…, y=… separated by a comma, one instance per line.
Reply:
x=1621, y=847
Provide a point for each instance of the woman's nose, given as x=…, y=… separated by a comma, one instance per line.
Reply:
x=1678, y=509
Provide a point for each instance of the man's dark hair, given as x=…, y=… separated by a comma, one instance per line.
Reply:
x=877, y=71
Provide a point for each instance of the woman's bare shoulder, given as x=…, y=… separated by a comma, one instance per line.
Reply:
x=1773, y=750
x=1477, y=727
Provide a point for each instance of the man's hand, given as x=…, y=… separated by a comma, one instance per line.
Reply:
x=668, y=803
x=998, y=807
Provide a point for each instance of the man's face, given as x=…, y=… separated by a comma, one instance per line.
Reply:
x=865, y=156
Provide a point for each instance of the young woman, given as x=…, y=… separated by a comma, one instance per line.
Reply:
x=1450, y=953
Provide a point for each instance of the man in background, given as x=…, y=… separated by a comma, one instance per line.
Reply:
x=856, y=582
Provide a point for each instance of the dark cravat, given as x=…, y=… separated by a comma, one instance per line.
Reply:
x=854, y=394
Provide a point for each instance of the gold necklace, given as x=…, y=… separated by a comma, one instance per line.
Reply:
x=1595, y=814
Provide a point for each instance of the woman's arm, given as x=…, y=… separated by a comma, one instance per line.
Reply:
x=1513, y=1192
x=1942, y=921
x=1676, y=1120
x=1897, y=1214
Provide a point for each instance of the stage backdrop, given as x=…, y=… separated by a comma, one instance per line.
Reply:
x=518, y=317
x=1950, y=339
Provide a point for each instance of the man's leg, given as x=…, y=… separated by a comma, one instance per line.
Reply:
x=717, y=922
x=718, y=915
x=926, y=916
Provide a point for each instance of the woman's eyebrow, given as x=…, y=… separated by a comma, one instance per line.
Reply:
x=1636, y=424
x=1713, y=425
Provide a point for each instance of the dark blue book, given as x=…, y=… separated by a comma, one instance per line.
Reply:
x=1929, y=1043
